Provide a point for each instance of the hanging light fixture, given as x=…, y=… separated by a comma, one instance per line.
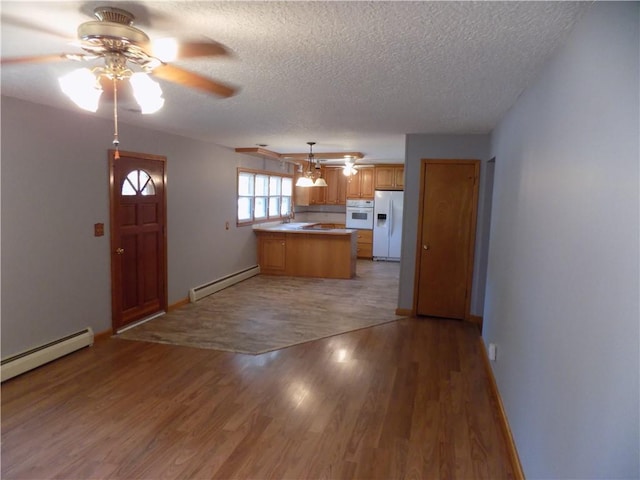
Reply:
x=83, y=87
x=320, y=182
x=308, y=178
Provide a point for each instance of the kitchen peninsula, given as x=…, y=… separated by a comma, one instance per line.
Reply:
x=306, y=250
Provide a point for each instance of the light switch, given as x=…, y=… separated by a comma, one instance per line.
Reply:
x=98, y=229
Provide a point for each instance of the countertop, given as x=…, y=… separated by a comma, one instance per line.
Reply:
x=302, y=227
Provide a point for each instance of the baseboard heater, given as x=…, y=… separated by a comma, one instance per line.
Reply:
x=25, y=361
x=202, y=291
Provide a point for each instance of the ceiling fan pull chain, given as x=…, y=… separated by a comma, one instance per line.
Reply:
x=116, y=142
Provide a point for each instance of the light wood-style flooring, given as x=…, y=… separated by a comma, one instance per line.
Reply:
x=406, y=399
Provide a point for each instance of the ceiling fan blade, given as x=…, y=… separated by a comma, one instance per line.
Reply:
x=193, y=80
x=201, y=49
x=34, y=59
x=170, y=49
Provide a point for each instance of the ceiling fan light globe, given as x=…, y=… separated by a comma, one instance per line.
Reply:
x=82, y=87
x=165, y=49
x=151, y=105
x=147, y=93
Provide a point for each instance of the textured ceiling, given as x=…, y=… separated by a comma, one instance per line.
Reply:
x=352, y=76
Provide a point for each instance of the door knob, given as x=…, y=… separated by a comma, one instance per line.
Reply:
x=119, y=251
x=426, y=247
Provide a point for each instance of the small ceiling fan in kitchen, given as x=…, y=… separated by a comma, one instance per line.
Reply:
x=349, y=166
x=127, y=61
x=349, y=160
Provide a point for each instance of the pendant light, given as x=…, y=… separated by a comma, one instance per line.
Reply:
x=307, y=180
x=320, y=182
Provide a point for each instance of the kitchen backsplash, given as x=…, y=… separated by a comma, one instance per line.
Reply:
x=321, y=217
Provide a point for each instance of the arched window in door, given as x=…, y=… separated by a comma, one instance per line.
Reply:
x=138, y=182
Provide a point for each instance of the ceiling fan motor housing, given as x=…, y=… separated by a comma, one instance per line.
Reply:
x=113, y=30
x=109, y=31
x=115, y=15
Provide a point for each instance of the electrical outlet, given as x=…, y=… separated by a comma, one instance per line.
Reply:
x=226, y=225
x=493, y=352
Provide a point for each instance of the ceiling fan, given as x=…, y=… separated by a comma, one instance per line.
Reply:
x=349, y=166
x=114, y=38
x=128, y=54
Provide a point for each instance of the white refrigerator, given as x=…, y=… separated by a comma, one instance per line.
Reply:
x=387, y=225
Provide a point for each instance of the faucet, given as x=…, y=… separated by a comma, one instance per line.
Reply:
x=287, y=218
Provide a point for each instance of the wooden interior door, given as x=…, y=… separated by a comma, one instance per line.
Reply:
x=448, y=212
x=138, y=237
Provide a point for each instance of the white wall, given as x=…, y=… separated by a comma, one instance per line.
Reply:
x=419, y=146
x=562, y=300
x=55, y=273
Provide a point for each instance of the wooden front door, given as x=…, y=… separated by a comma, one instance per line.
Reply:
x=447, y=226
x=138, y=237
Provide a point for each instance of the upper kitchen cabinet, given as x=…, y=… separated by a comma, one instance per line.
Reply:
x=389, y=177
x=361, y=185
x=310, y=196
x=336, y=192
x=318, y=195
x=333, y=194
x=302, y=195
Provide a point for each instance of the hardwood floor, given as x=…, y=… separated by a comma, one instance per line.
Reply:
x=407, y=399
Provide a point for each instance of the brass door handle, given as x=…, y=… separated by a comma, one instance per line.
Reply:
x=119, y=251
x=426, y=247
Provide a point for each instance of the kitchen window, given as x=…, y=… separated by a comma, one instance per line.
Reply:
x=263, y=196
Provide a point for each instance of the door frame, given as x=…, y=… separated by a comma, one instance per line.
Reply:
x=114, y=242
x=474, y=220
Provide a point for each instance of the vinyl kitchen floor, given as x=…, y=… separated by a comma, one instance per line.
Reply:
x=266, y=313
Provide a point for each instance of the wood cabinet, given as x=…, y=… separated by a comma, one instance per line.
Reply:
x=336, y=192
x=307, y=254
x=329, y=225
x=389, y=177
x=318, y=195
x=365, y=244
x=272, y=251
x=302, y=195
x=361, y=185
x=310, y=195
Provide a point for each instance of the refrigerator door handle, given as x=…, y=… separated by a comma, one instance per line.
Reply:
x=390, y=217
